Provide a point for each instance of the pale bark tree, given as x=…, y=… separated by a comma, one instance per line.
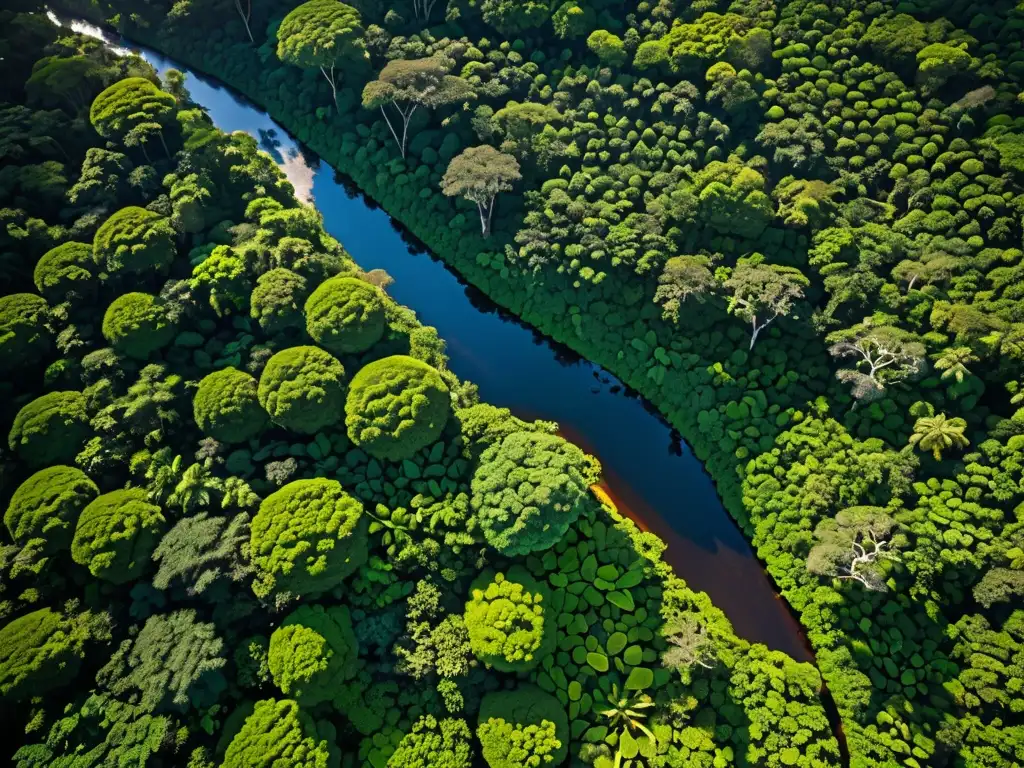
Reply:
x=405, y=86
x=854, y=546
x=882, y=355
x=244, y=8
x=689, y=645
x=762, y=293
x=478, y=174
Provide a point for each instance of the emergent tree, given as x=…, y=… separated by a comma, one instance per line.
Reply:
x=479, y=174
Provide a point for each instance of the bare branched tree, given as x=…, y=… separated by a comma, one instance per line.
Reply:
x=689, y=645
x=854, y=546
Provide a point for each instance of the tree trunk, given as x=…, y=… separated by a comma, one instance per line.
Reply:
x=754, y=334
x=485, y=217
x=245, y=17
x=391, y=127
x=334, y=87
x=164, y=143
x=405, y=127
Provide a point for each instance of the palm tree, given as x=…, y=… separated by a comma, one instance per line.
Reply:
x=953, y=362
x=163, y=474
x=624, y=714
x=196, y=487
x=937, y=433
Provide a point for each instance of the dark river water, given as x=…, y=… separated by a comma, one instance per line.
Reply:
x=648, y=469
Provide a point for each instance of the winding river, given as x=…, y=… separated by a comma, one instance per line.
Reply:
x=650, y=472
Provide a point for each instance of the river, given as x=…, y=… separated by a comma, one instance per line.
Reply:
x=649, y=471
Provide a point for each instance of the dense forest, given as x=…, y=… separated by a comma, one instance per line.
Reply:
x=252, y=519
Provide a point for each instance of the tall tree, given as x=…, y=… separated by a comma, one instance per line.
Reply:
x=761, y=293
x=854, y=545
x=683, y=277
x=479, y=174
x=882, y=355
x=406, y=85
x=128, y=104
x=321, y=34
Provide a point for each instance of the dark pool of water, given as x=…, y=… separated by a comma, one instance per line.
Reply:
x=648, y=469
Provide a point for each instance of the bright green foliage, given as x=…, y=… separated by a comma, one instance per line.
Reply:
x=511, y=17
x=227, y=408
x=396, y=406
x=39, y=652
x=127, y=104
x=116, y=534
x=732, y=199
x=277, y=734
x=345, y=315
x=321, y=34
x=938, y=434
x=313, y=652
x=306, y=538
x=103, y=180
x=137, y=325
x=527, y=491
x=173, y=663
x=47, y=505
x=277, y=300
x=23, y=337
x=303, y=389
x=525, y=727
x=135, y=241
x=64, y=270
x=509, y=626
x=939, y=62
x=223, y=278
x=51, y=429
x=434, y=743
x=608, y=47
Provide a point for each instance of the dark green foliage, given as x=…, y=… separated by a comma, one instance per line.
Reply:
x=137, y=324
x=23, y=335
x=278, y=733
x=525, y=726
x=173, y=663
x=116, y=535
x=303, y=389
x=312, y=652
x=306, y=538
x=345, y=315
x=396, y=406
x=134, y=241
x=40, y=651
x=527, y=491
x=277, y=300
x=203, y=555
x=64, y=271
x=227, y=408
x=47, y=505
x=51, y=429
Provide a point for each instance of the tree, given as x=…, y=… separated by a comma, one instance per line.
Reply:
x=1000, y=585
x=882, y=354
x=134, y=240
x=511, y=17
x=65, y=81
x=940, y=62
x=137, y=325
x=172, y=664
x=244, y=8
x=953, y=362
x=277, y=300
x=624, y=711
x=937, y=434
x=195, y=488
x=116, y=534
x=608, y=47
x=524, y=129
x=313, y=652
x=47, y=505
x=934, y=267
x=761, y=293
x=306, y=538
x=406, y=85
x=41, y=651
x=321, y=34
x=50, y=429
x=226, y=406
x=854, y=545
x=278, y=733
x=345, y=315
x=436, y=642
x=527, y=490
x=478, y=174
x=64, y=271
x=128, y=103
x=524, y=726
x=202, y=555
x=683, y=277
x=689, y=645
x=433, y=743
x=505, y=617
x=303, y=389
x=24, y=338
x=732, y=200
x=396, y=406
x=103, y=180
